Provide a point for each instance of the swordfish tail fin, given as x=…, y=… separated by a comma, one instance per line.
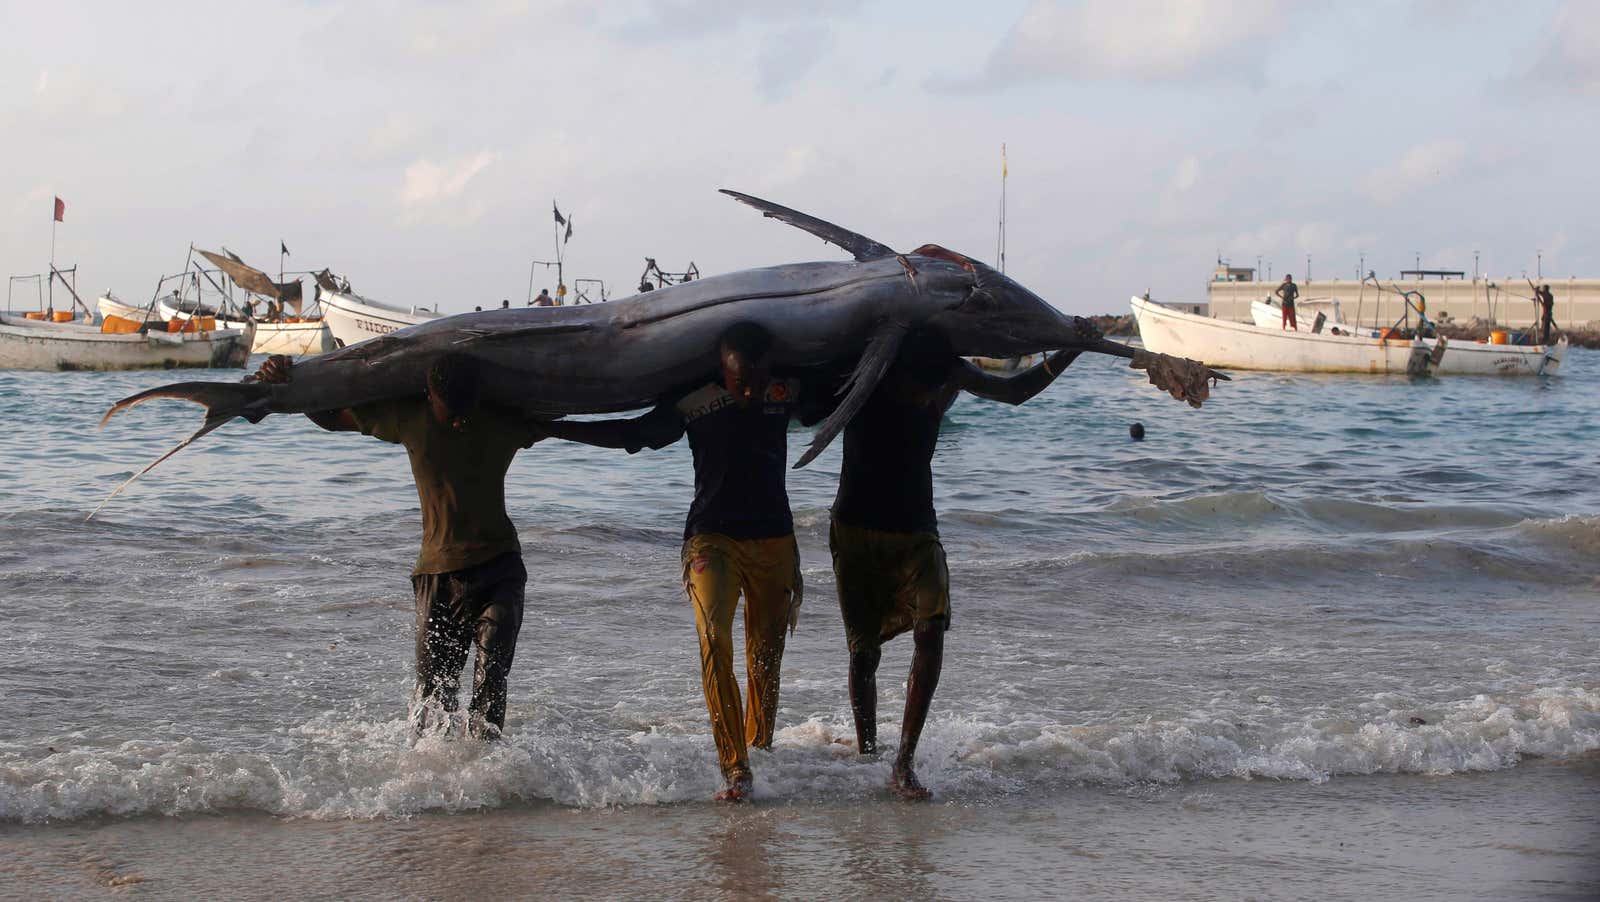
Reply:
x=223, y=401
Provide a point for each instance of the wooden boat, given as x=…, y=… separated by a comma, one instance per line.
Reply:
x=284, y=329
x=109, y=305
x=50, y=339
x=352, y=318
x=291, y=335
x=1247, y=346
x=116, y=344
x=1462, y=358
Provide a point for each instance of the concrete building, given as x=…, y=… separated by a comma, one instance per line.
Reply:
x=1507, y=301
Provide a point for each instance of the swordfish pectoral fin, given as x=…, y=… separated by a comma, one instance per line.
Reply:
x=223, y=401
x=869, y=371
x=860, y=246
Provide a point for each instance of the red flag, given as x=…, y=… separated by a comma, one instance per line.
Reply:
x=61, y=210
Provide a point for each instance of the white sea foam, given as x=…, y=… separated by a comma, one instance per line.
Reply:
x=335, y=768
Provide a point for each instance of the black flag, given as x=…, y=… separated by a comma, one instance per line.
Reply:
x=560, y=220
x=283, y=248
x=569, y=231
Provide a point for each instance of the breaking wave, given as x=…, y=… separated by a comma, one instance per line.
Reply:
x=340, y=768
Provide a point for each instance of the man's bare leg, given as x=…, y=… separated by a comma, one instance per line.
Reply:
x=925, y=664
x=740, y=785
x=864, y=698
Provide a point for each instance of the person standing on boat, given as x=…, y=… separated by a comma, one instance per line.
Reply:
x=739, y=535
x=1547, y=313
x=888, y=561
x=1287, y=292
x=544, y=299
x=469, y=577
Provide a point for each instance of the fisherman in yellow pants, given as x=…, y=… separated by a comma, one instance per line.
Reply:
x=717, y=569
x=739, y=537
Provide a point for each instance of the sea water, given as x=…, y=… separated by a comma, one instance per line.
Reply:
x=1320, y=610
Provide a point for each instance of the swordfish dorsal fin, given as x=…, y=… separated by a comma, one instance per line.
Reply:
x=860, y=246
x=874, y=362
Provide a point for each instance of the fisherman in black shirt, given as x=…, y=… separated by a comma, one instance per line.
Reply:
x=1547, y=312
x=739, y=537
x=887, y=558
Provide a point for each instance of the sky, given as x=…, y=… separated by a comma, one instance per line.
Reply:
x=417, y=147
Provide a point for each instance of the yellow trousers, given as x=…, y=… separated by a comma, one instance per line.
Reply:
x=716, y=570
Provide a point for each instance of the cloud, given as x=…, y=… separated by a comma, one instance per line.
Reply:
x=398, y=130
x=76, y=92
x=1187, y=173
x=1138, y=40
x=671, y=20
x=1421, y=167
x=434, y=191
x=788, y=56
x=1569, y=56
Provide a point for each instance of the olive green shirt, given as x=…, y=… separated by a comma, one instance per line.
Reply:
x=460, y=476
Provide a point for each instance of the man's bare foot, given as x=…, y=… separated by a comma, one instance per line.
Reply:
x=740, y=786
x=904, y=781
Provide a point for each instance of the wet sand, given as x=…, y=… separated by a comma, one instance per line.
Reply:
x=1532, y=832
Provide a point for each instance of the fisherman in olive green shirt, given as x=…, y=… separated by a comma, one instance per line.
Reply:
x=469, y=576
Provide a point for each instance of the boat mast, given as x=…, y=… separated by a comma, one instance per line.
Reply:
x=1000, y=238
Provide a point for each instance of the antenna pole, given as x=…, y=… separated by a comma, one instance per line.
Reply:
x=1005, y=172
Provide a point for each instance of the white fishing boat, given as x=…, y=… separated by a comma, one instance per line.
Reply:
x=1247, y=346
x=39, y=344
x=352, y=318
x=1494, y=356
x=109, y=305
x=51, y=339
x=282, y=329
x=294, y=336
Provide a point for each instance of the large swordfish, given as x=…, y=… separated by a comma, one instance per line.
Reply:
x=552, y=361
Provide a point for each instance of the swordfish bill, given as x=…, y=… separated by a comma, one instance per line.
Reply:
x=549, y=362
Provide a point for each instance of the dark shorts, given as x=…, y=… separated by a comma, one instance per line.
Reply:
x=887, y=581
x=478, y=608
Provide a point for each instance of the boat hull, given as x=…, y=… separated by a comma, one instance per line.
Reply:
x=294, y=339
x=1462, y=357
x=1470, y=358
x=109, y=306
x=1246, y=346
x=352, y=318
x=30, y=345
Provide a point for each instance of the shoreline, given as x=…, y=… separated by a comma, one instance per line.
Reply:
x=1529, y=830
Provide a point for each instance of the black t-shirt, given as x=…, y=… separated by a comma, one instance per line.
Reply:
x=741, y=456
x=1288, y=292
x=886, y=482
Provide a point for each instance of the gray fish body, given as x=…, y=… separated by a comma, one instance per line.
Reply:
x=549, y=362
x=623, y=355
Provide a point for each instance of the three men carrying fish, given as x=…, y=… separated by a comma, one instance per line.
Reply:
x=888, y=561
x=738, y=537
